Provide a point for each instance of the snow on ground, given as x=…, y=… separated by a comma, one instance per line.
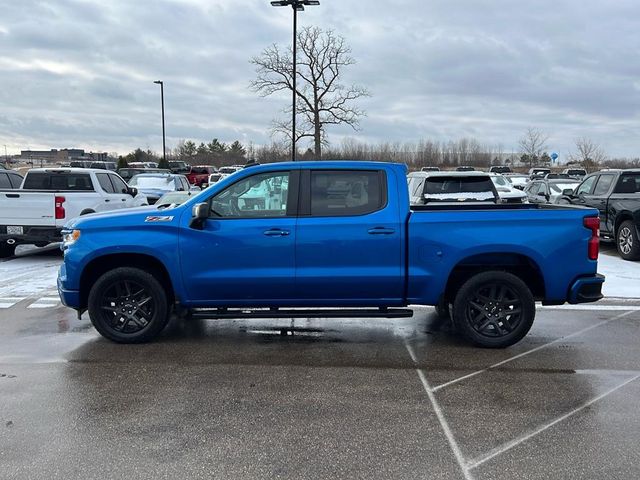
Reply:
x=29, y=276
x=623, y=277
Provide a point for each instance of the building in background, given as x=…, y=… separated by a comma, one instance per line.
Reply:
x=62, y=156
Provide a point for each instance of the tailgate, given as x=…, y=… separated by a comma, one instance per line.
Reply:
x=18, y=207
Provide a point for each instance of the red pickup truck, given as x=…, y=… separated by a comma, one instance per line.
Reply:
x=199, y=174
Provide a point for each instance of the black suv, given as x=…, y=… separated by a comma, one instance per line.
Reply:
x=616, y=194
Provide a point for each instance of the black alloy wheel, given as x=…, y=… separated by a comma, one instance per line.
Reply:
x=627, y=241
x=128, y=305
x=494, y=309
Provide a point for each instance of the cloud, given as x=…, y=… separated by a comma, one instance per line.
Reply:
x=80, y=73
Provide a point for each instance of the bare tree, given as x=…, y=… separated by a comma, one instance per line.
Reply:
x=588, y=153
x=533, y=144
x=323, y=100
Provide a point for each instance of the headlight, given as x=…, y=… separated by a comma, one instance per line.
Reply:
x=69, y=237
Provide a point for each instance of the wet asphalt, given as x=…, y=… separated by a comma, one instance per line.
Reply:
x=315, y=399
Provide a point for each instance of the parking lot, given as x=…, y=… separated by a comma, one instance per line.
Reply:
x=312, y=399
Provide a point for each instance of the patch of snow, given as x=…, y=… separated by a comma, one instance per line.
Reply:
x=622, y=276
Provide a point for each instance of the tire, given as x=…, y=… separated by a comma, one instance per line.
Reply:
x=128, y=305
x=7, y=250
x=627, y=241
x=481, y=305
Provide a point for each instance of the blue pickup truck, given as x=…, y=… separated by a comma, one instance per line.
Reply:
x=327, y=239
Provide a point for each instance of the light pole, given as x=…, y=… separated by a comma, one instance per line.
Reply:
x=164, y=146
x=296, y=6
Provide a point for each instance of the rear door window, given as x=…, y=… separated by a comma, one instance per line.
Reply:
x=15, y=180
x=58, y=181
x=346, y=192
x=629, y=183
x=602, y=187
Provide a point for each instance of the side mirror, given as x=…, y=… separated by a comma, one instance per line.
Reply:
x=199, y=215
x=132, y=191
x=567, y=192
x=179, y=189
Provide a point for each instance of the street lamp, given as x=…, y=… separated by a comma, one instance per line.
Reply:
x=164, y=147
x=296, y=6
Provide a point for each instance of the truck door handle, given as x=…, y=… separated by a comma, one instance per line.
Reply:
x=381, y=231
x=107, y=200
x=276, y=232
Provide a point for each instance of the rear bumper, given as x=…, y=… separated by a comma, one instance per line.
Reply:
x=32, y=235
x=586, y=289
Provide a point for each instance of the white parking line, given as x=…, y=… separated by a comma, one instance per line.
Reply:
x=508, y=446
x=540, y=347
x=441, y=418
x=8, y=302
x=45, y=302
x=592, y=307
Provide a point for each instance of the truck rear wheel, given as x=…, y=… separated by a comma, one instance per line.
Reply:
x=128, y=305
x=627, y=241
x=7, y=250
x=494, y=309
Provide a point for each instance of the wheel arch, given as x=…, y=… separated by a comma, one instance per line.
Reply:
x=102, y=264
x=520, y=265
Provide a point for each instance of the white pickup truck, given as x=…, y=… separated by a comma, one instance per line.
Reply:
x=50, y=197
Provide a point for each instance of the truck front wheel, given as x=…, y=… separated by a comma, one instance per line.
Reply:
x=494, y=309
x=128, y=305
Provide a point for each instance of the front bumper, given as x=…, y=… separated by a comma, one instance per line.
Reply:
x=69, y=298
x=586, y=289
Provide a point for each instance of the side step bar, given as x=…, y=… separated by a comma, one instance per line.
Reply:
x=224, y=313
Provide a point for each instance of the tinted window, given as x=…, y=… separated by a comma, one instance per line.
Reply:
x=15, y=179
x=118, y=184
x=105, y=183
x=4, y=180
x=263, y=195
x=602, y=187
x=629, y=183
x=586, y=186
x=345, y=192
x=58, y=181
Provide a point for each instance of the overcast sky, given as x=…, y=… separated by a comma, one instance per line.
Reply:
x=76, y=73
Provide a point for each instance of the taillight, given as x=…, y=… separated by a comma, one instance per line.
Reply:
x=593, y=224
x=60, y=213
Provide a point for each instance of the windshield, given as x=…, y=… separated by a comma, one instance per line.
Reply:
x=141, y=181
x=559, y=187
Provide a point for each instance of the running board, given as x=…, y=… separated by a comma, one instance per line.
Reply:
x=224, y=313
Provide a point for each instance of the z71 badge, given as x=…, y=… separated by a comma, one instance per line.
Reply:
x=156, y=218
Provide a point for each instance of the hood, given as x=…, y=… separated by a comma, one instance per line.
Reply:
x=504, y=192
x=121, y=218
